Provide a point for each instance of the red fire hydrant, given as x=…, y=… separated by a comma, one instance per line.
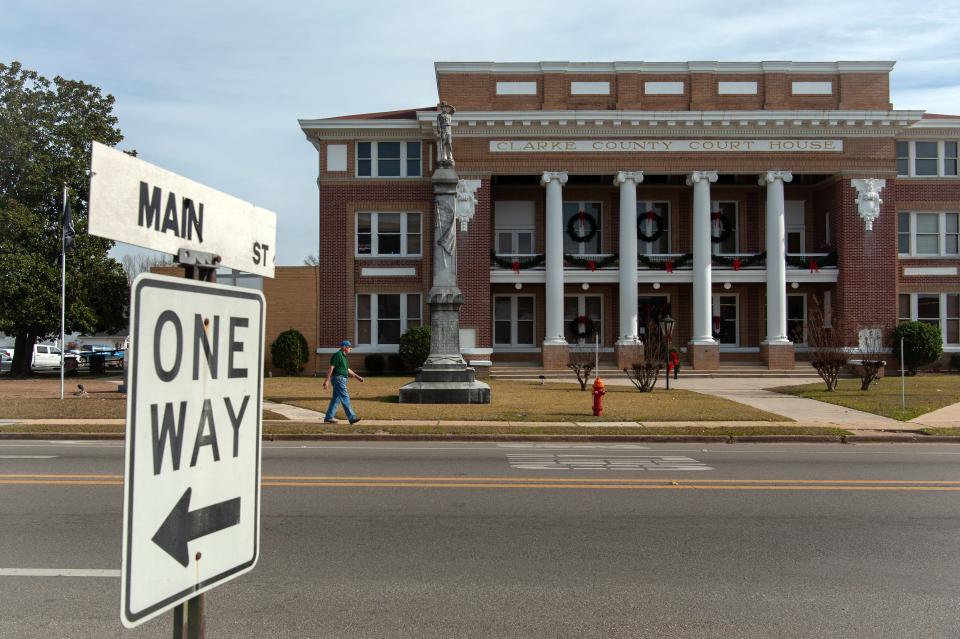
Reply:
x=598, y=393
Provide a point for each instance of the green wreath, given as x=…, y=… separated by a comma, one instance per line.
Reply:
x=586, y=323
x=589, y=232
x=725, y=228
x=653, y=216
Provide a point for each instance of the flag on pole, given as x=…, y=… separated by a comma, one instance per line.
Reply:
x=69, y=232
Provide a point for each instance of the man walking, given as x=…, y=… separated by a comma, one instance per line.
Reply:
x=340, y=371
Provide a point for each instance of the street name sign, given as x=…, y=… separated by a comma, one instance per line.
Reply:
x=138, y=203
x=191, y=498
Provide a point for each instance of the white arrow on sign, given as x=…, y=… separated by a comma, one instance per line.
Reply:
x=191, y=512
x=138, y=203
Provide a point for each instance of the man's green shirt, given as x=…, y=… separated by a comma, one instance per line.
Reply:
x=339, y=363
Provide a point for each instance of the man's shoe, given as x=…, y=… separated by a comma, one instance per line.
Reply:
x=331, y=421
x=354, y=420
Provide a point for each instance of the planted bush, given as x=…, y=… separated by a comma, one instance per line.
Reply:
x=374, y=364
x=415, y=346
x=922, y=344
x=289, y=352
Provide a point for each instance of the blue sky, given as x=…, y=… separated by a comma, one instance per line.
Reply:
x=213, y=90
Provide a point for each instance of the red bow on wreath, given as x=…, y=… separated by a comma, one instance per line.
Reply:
x=715, y=215
x=515, y=266
x=668, y=266
x=582, y=323
x=591, y=265
x=651, y=215
x=583, y=216
x=737, y=263
x=814, y=268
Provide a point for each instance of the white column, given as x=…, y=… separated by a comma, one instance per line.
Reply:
x=554, y=181
x=776, y=257
x=628, y=181
x=702, y=256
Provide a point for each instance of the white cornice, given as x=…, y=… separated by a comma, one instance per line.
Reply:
x=713, y=118
x=937, y=123
x=334, y=124
x=507, y=68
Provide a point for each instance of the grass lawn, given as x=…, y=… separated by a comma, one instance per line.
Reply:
x=93, y=407
x=299, y=428
x=377, y=398
x=924, y=393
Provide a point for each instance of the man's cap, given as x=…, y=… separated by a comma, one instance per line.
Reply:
x=345, y=342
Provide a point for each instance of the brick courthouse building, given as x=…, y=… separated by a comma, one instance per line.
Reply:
x=723, y=193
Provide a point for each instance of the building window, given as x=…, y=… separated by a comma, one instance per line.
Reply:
x=648, y=227
x=796, y=228
x=389, y=234
x=941, y=310
x=582, y=227
x=928, y=234
x=388, y=159
x=728, y=210
x=726, y=321
x=797, y=318
x=513, y=320
x=575, y=306
x=903, y=158
x=514, y=227
x=927, y=158
x=383, y=317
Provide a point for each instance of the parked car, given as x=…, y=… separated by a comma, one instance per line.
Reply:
x=111, y=356
x=45, y=357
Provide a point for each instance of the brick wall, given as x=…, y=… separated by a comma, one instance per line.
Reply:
x=292, y=303
x=477, y=92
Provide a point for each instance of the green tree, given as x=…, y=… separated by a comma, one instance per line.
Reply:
x=922, y=344
x=46, y=131
x=289, y=351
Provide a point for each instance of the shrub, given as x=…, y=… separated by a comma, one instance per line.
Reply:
x=922, y=344
x=395, y=363
x=374, y=364
x=289, y=352
x=415, y=346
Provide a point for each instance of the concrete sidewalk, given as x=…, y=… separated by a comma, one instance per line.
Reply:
x=946, y=417
x=752, y=392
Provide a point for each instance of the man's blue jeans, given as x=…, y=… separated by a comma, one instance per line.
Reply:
x=340, y=395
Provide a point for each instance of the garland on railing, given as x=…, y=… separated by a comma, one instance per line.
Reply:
x=813, y=263
x=740, y=261
x=668, y=264
x=516, y=264
x=592, y=265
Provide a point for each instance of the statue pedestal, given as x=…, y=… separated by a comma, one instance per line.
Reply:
x=445, y=377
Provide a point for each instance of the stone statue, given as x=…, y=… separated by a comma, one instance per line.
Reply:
x=446, y=234
x=868, y=199
x=445, y=134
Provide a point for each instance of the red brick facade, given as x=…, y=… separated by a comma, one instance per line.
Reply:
x=848, y=102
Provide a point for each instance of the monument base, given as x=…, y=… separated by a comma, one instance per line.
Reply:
x=445, y=386
x=778, y=356
x=704, y=357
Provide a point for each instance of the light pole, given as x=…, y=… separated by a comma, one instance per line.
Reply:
x=666, y=329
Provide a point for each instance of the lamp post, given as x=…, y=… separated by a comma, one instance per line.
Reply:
x=666, y=329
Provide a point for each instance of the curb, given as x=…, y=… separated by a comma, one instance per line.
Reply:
x=693, y=439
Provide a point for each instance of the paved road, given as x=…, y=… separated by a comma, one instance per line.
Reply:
x=523, y=540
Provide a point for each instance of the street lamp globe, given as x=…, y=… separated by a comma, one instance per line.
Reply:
x=666, y=326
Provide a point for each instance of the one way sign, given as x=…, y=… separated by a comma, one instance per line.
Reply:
x=191, y=517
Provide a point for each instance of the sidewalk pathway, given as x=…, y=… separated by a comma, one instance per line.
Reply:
x=752, y=392
x=293, y=413
x=946, y=417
